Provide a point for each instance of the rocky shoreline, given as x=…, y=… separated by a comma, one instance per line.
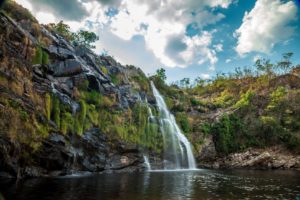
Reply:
x=262, y=159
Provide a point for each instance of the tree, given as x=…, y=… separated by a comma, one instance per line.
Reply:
x=199, y=82
x=85, y=38
x=62, y=29
x=161, y=74
x=264, y=66
x=285, y=64
x=185, y=82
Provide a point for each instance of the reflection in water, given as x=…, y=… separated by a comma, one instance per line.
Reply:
x=203, y=184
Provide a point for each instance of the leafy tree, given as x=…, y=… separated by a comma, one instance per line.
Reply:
x=62, y=29
x=264, y=66
x=185, y=82
x=85, y=38
x=82, y=38
x=161, y=74
x=199, y=82
x=285, y=64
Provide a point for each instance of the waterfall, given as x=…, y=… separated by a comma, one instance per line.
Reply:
x=178, y=153
x=147, y=163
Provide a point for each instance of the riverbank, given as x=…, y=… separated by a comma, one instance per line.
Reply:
x=264, y=159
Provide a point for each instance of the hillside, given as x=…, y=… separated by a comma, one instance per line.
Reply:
x=246, y=119
x=62, y=107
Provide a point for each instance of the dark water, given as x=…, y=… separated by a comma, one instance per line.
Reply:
x=203, y=184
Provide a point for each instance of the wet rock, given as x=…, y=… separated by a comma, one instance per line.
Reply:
x=124, y=161
x=94, y=83
x=67, y=68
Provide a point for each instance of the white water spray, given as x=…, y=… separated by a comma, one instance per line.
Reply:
x=147, y=163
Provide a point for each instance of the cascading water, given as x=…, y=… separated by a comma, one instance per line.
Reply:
x=177, y=149
x=147, y=163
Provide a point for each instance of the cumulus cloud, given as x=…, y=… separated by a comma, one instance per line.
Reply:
x=161, y=23
x=166, y=28
x=265, y=25
x=68, y=10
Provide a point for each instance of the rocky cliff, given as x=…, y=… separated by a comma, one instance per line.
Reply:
x=63, y=108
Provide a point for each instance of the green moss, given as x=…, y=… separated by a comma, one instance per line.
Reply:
x=48, y=106
x=104, y=70
x=56, y=111
x=67, y=123
x=80, y=118
x=38, y=57
x=115, y=79
x=45, y=58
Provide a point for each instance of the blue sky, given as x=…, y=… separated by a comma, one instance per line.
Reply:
x=188, y=38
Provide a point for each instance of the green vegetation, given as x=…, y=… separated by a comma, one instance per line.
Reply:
x=253, y=107
x=80, y=118
x=16, y=11
x=48, y=106
x=85, y=38
x=81, y=38
x=40, y=57
x=56, y=111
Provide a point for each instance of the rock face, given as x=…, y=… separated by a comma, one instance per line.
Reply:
x=68, y=68
x=273, y=158
x=62, y=155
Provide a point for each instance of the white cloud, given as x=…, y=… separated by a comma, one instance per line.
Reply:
x=167, y=20
x=265, y=25
x=228, y=60
x=205, y=76
x=218, y=47
x=157, y=21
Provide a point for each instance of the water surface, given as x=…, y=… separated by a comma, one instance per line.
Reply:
x=172, y=185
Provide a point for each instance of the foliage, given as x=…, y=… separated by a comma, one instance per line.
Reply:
x=82, y=38
x=183, y=121
x=227, y=134
x=285, y=64
x=245, y=99
x=17, y=11
x=62, y=29
x=161, y=74
x=276, y=97
x=185, y=83
x=85, y=38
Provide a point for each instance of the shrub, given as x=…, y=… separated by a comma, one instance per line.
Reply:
x=245, y=99
x=276, y=97
x=228, y=134
x=183, y=121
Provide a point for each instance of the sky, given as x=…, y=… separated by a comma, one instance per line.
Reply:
x=188, y=38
